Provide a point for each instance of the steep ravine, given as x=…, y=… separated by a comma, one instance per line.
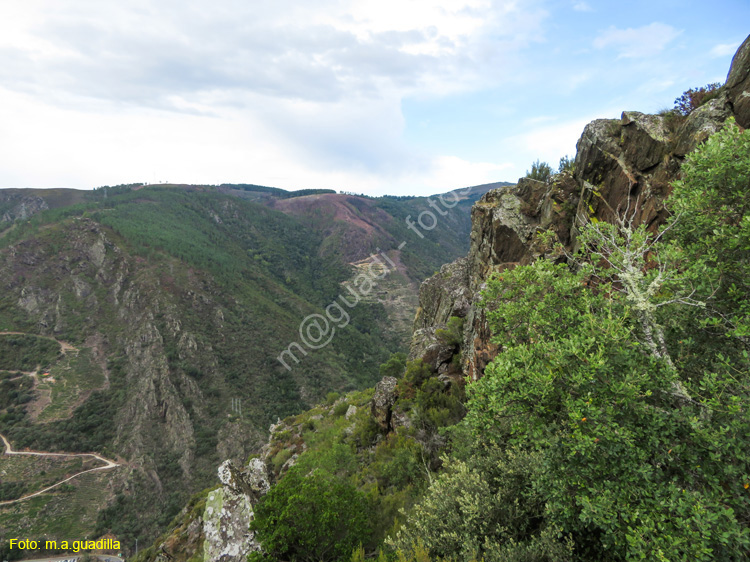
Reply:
x=636, y=156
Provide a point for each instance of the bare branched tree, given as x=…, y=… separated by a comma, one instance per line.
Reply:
x=624, y=253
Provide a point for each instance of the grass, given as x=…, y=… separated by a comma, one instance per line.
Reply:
x=75, y=376
x=37, y=473
x=62, y=515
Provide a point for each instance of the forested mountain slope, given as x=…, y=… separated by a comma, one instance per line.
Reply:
x=577, y=386
x=179, y=301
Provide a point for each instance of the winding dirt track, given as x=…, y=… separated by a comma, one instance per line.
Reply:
x=108, y=464
x=64, y=346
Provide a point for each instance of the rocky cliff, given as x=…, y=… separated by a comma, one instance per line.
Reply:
x=17, y=204
x=635, y=157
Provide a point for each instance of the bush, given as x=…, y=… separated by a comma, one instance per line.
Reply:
x=340, y=409
x=280, y=458
x=453, y=333
x=693, y=98
x=566, y=164
x=628, y=464
x=483, y=509
x=716, y=178
x=540, y=171
x=394, y=367
x=311, y=518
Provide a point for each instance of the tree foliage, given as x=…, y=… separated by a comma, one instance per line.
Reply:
x=567, y=164
x=540, y=171
x=711, y=226
x=317, y=517
x=695, y=97
x=615, y=416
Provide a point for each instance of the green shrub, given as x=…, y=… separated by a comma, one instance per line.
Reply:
x=280, y=458
x=693, y=98
x=365, y=431
x=394, y=367
x=622, y=465
x=540, y=171
x=453, y=333
x=316, y=517
x=483, y=509
x=340, y=409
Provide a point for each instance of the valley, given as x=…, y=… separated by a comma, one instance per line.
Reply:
x=133, y=317
x=264, y=298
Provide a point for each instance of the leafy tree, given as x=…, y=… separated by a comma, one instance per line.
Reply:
x=639, y=448
x=695, y=97
x=316, y=517
x=627, y=469
x=540, y=171
x=567, y=164
x=395, y=366
x=710, y=229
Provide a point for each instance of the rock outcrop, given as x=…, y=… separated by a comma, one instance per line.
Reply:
x=383, y=400
x=626, y=163
x=229, y=511
x=17, y=204
x=738, y=85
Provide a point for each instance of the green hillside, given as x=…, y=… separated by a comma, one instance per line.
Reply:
x=179, y=301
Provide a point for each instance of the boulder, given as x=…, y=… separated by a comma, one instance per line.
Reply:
x=644, y=139
x=383, y=400
x=229, y=511
x=738, y=84
x=430, y=349
x=700, y=124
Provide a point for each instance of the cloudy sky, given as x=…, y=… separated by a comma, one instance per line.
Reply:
x=371, y=96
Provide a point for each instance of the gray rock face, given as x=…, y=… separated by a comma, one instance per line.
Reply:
x=229, y=511
x=738, y=84
x=620, y=163
x=504, y=226
x=700, y=124
x=383, y=400
x=644, y=139
x=19, y=205
x=444, y=295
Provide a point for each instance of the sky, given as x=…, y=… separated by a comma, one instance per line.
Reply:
x=367, y=96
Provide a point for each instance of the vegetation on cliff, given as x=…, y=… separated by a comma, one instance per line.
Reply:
x=178, y=300
x=594, y=442
x=612, y=426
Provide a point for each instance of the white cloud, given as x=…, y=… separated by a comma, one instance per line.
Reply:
x=309, y=93
x=638, y=42
x=725, y=49
x=582, y=7
x=139, y=53
x=84, y=149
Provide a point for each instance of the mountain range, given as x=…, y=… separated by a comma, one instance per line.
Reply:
x=177, y=303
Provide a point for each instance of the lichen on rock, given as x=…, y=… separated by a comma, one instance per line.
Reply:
x=229, y=511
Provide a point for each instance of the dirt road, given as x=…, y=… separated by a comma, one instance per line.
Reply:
x=108, y=464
